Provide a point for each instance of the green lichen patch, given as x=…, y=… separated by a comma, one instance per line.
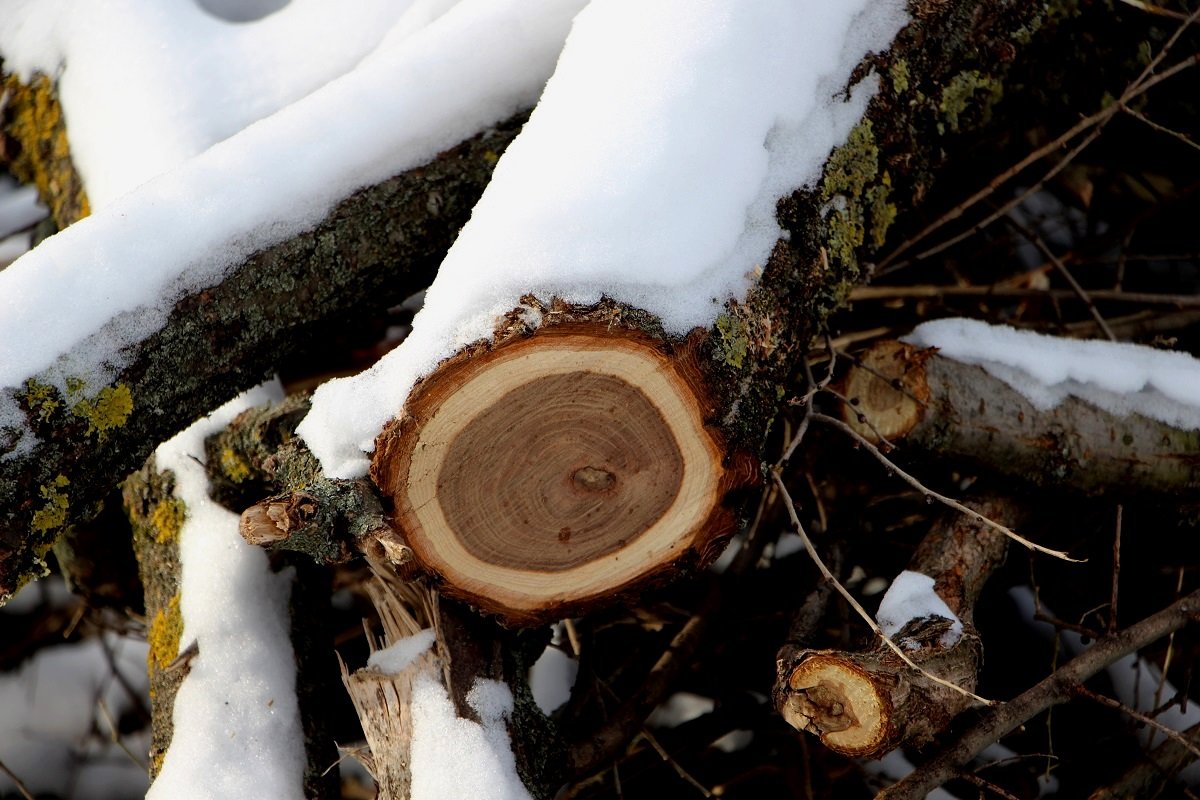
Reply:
x=733, y=342
x=898, y=72
x=882, y=210
x=853, y=165
x=857, y=196
x=42, y=399
x=234, y=466
x=52, y=516
x=968, y=89
x=109, y=409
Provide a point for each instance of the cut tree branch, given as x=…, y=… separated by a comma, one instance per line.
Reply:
x=868, y=703
x=473, y=493
x=904, y=394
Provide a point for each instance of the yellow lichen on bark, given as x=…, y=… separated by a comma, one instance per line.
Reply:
x=35, y=146
x=163, y=636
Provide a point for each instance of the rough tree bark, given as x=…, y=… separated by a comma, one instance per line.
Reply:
x=373, y=250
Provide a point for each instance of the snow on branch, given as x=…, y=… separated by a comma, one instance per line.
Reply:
x=237, y=705
x=1117, y=377
x=122, y=270
x=651, y=179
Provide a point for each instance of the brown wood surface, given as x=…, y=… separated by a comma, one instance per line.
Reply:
x=560, y=468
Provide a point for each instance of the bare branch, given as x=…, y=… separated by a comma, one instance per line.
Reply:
x=1056, y=688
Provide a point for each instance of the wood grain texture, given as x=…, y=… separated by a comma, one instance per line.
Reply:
x=559, y=469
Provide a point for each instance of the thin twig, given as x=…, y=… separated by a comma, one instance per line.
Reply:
x=941, y=498
x=798, y=528
x=12, y=776
x=1116, y=572
x=1140, y=117
x=1078, y=289
x=115, y=735
x=862, y=418
x=1083, y=691
x=998, y=721
x=675, y=765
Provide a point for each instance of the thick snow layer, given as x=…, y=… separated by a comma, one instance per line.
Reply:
x=474, y=65
x=147, y=84
x=1116, y=377
x=53, y=735
x=459, y=759
x=649, y=173
x=551, y=678
x=912, y=596
x=392, y=659
x=237, y=722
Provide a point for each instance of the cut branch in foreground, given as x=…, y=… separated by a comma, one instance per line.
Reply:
x=866, y=704
x=961, y=411
x=514, y=533
x=1058, y=687
x=558, y=469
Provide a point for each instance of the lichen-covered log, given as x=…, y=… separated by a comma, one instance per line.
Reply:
x=916, y=398
x=372, y=251
x=157, y=515
x=865, y=704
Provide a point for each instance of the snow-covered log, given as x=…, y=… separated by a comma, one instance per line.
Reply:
x=609, y=338
x=223, y=337
x=223, y=669
x=372, y=251
x=1088, y=416
x=868, y=703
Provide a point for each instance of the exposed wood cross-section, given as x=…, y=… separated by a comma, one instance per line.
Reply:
x=558, y=469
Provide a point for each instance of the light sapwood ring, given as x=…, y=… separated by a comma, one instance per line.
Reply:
x=557, y=470
x=887, y=387
x=840, y=702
